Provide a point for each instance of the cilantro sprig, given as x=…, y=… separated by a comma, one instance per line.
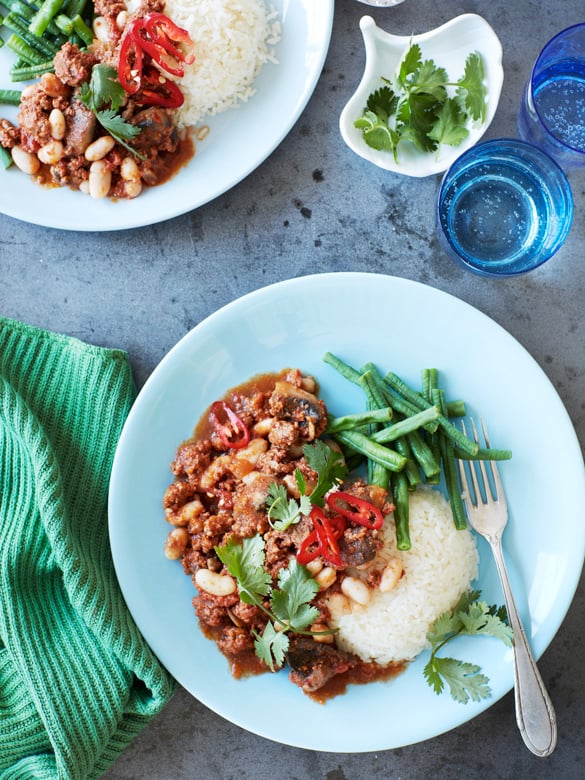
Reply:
x=289, y=605
x=104, y=95
x=282, y=510
x=331, y=471
x=416, y=105
x=470, y=617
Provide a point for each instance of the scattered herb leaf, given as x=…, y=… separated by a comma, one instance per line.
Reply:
x=104, y=95
x=282, y=510
x=330, y=467
x=469, y=617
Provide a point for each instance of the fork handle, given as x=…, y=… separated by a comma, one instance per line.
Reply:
x=535, y=713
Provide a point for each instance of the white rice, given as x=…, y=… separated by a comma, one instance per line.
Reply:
x=233, y=40
x=437, y=570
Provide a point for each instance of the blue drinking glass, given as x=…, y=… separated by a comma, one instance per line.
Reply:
x=552, y=111
x=504, y=207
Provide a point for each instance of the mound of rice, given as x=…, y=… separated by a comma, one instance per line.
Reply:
x=437, y=570
x=233, y=39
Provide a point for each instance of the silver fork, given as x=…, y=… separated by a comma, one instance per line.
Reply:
x=535, y=713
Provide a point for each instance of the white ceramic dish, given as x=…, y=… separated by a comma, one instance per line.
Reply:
x=293, y=324
x=261, y=124
x=449, y=46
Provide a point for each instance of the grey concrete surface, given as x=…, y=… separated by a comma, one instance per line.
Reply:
x=313, y=207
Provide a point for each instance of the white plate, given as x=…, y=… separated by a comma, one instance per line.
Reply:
x=402, y=326
x=449, y=46
x=240, y=139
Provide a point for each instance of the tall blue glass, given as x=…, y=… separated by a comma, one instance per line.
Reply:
x=504, y=207
x=552, y=111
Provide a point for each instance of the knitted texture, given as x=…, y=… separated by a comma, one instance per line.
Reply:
x=77, y=680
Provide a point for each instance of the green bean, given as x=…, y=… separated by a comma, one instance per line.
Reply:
x=10, y=97
x=456, y=409
x=43, y=17
x=409, y=424
x=429, y=461
x=5, y=157
x=342, y=368
x=30, y=71
x=17, y=25
x=484, y=453
x=430, y=380
x=65, y=24
x=351, y=421
x=459, y=439
x=410, y=469
x=401, y=510
x=74, y=7
x=82, y=30
x=391, y=459
x=16, y=44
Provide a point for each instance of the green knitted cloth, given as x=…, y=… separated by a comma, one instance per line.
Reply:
x=77, y=680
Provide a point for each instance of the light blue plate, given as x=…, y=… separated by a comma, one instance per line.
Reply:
x=402, y=326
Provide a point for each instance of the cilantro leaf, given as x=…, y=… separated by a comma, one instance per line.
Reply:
x=284, y=510
x=245, y=562
x=422, y=116
x=291, y=603
x=465, y=680
x=373, y=123
x=329, y=465
x=104, y=89
x=383, y=103
x=449, y=127
x=430, y=80
x=104, y=95
x=411, y=62
x=271, y=646
x=469, y=617
x=472, y=87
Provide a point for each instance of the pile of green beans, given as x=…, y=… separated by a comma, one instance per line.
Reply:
x=418, y=424
x=36, y=31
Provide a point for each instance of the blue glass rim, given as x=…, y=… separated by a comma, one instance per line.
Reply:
x=537, y=63
x=506, y=145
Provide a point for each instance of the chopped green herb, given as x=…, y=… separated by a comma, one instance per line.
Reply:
x=416, y=106
x=470, y=617
x=329, y=465
x=104, y=95
x=282, y=510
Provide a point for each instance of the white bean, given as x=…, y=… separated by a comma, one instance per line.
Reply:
x=27, y=162
x=53, y=86
x=338, y=604
x=391, y=575
x=327, y=639
x=122, y=20
x=356, y=590
x=51, y=153
x=98, y=149
x=84, y=187
x=57, y=124
x=129, y=169
x=100, y=179
x=101, y=29
x=326, y=577
x=176, y=543
x=215, y=584
x=314, y=566
x=133, y=188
